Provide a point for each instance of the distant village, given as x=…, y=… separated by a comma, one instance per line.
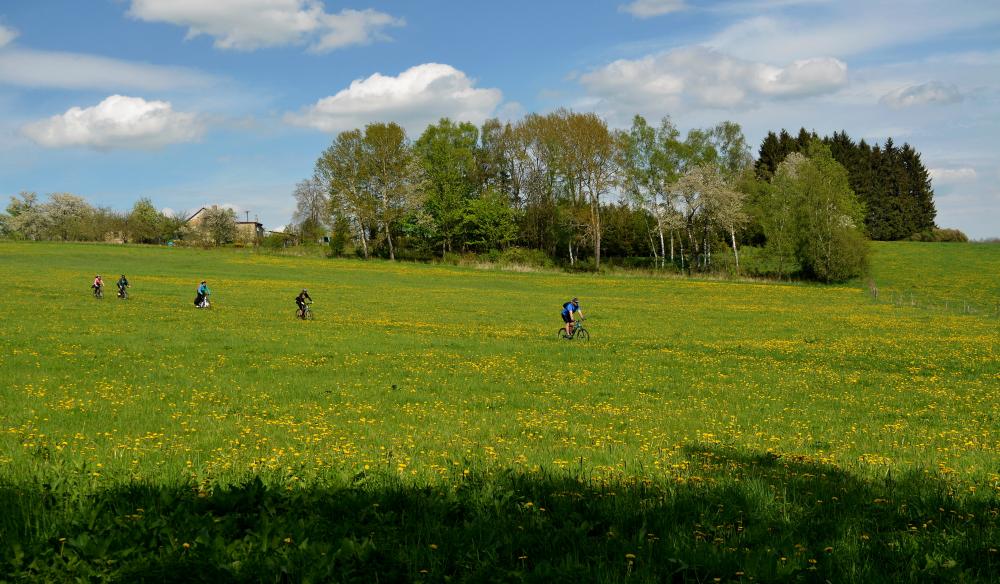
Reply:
x=69, y=217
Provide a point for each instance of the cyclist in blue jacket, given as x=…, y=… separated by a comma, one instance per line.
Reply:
x=567, y=314
x=201, y=301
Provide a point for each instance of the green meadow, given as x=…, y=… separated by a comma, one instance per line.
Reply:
x=962, y=278
x=429, y=426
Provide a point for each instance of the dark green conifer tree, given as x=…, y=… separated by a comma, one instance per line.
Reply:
x=891, y=182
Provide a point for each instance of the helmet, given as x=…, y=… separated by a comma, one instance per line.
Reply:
x=575, y=299
x=304, y=290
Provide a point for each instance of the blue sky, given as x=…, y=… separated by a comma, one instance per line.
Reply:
x=191, y=102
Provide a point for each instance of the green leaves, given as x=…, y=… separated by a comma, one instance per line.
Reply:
x=813, y=220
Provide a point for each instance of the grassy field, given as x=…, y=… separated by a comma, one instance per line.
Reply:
x=961, y=278
x=429, y=426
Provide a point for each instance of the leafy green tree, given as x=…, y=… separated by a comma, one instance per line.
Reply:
x=777, y=214
x=340, y=235
x=393, y=176
x=145, y=222
x=825, y=215
x=589, y=169
x=698, y=150
x=541, y=138
x=755, y=190
x=649, y=163
x=832, y=244
x=172, y=226
x=733, y=150
x=490, y=223
x=504, y=159
x=628, y=231
x=447, y=152
x=344, y=171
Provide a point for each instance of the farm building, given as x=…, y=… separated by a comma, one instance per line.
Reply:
x=247, y=232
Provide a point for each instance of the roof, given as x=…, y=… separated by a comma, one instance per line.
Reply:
x=195, y=214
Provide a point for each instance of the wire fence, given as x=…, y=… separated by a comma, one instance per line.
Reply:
x=989, y=308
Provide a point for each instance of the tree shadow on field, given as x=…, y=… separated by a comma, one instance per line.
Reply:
x=734, y=517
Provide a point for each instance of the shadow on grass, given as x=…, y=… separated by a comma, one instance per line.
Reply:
x=735, y=517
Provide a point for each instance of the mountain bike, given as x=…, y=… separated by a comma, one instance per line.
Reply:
x=123, y=293
x=578, y=332
x=305, y=313
x=98, y=292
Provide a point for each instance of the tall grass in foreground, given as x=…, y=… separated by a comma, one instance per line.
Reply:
x=747, y=518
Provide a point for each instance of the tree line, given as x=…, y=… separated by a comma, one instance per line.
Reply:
x=68, y=217
x=564, y=188
x=567, y=186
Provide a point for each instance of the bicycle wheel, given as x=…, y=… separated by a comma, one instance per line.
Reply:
x=561, y=334
x=309, y=315
x=582, y=334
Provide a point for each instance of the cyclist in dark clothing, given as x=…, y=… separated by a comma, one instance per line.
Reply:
x=122, y=285
x=567, y=314
x=300, y=300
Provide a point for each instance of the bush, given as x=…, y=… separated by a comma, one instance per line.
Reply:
x=519, y=256
x=759, y=261
x=843, y=257
x=938, y=235
x=275, y=240
x=407, y=250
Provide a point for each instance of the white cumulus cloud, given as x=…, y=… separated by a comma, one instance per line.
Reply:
x=953, y=175
x=931, y=93
x=415, y=98
x=253, y=24
x=6, y=35
x=117, y=122
x=699, y=77
x=651, y=8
